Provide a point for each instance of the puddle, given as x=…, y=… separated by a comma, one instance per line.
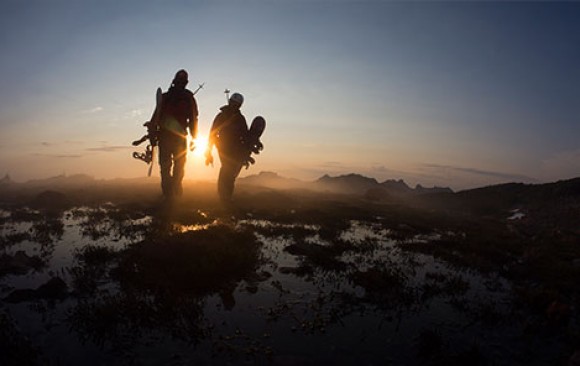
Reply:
x=516, y=215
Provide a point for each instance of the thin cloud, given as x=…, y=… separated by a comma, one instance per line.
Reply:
x=71, y=156
x=93, y=110
x=59, y=156
x=486, y=173
x=108, y=148
x=58, y=143
x=136, y=113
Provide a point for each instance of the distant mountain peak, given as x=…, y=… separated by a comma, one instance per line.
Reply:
x=268, y=174
x=420, y=189
x=271, y=180
x=353, y=177
x=359, y=184
x=63, y=179
x=6, y=179
x=348, y=183
x=396, y=185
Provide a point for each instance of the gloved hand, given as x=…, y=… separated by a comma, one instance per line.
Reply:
x=208, y=158
x=191, y=145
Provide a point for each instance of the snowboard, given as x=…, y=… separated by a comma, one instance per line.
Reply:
x=152, y=126
x=253, y=142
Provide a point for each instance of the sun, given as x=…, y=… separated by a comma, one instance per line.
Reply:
x=200, y=143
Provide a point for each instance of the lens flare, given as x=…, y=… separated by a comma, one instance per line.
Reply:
x=200, y=143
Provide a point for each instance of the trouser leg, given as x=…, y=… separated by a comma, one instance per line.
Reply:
x=165, y=164
x=225, y=184
x=179, y=158
x=229, y=171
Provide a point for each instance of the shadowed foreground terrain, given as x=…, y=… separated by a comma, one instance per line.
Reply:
x=104, y=272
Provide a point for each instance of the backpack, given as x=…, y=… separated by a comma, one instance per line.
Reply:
x=177, y=107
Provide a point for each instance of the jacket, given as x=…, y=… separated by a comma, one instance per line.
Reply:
x=229, y=132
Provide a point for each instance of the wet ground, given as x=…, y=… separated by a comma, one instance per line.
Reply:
x=328, y=282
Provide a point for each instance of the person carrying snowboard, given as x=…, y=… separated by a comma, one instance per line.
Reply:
x=178, y=114
x=228, y=133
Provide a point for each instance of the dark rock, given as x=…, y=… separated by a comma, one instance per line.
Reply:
x=53, y=289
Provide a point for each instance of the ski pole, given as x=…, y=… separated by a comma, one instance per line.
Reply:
x=198, y=88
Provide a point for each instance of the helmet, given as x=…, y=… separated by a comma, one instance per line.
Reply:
x=237, y=98
x=180, y=78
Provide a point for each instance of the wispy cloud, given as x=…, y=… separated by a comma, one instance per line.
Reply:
x=93, y=110
x=59, y=156
x=487, y=173
x=70, y=156
x=108, y=148
x=73, y=142
x=136, y=113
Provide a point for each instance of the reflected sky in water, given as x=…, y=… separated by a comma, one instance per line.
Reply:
x=309, y=294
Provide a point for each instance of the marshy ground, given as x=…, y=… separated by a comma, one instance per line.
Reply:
x=109, y=274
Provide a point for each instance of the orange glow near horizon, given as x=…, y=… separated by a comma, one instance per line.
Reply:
x=195, y=164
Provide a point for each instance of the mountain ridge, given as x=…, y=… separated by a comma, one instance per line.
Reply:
x=351, y=183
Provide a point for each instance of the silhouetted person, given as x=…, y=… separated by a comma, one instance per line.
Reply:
x=228, y=133
x=178, y=114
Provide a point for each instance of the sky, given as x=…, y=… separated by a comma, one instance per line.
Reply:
x=457, y=94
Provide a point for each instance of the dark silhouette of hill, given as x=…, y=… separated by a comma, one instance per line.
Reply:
x=548, y=210
x=62, y=180
x=513, y=195
x=398, y=186
x=547, y=201
x=353, y=184
x=419, y=189
x=272, y=180
x=350, y=184
x=546, y=207
x=359, y=184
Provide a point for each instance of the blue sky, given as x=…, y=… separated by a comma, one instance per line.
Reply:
x=455, y=94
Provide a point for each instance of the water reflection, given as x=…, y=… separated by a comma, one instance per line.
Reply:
x=27, y=240
x=209, y=288
x=163, y=283
x=111, y=222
